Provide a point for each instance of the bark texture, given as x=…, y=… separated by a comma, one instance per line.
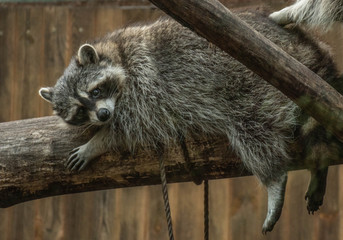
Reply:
x=33, y=153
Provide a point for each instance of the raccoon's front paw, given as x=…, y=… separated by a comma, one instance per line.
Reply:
x=78, y=159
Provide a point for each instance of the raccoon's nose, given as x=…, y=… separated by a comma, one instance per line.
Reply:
x=103, y=114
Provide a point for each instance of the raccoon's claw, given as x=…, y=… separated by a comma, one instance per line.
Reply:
x=314, y=201
x=76, y=161
x=74, y=151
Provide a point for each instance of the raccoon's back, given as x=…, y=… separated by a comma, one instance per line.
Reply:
x=178, y=54
x=176, y=48
x=178, y=82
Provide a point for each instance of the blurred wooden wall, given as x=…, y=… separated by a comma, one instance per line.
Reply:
x=36, y=44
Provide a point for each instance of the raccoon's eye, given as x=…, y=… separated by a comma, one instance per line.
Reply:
x=95, y=93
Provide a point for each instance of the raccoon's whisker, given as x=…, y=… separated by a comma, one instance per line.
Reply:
x=87, y=126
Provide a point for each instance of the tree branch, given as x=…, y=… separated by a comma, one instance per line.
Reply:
x=212, y=20
x=33, y=153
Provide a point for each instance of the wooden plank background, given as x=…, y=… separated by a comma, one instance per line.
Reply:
x=36, y=44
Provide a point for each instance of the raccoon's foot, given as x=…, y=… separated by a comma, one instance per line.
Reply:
x=276, y=194
x=78, y=158
x=316, y=189
x=281, y=17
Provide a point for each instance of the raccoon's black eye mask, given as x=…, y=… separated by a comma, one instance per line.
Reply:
x=105, y=89
x=80, y=117
x=86, y=103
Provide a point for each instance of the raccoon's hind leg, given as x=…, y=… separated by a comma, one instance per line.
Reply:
x=269, y=164
x=276, y=192
x=320, y=147
x=316, y=189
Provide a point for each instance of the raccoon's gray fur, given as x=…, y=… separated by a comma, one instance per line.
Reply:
x=148, y=85
x=313, y=12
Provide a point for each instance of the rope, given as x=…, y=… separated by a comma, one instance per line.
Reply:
x=165, y=197
x=206, y=210
x=196, y=180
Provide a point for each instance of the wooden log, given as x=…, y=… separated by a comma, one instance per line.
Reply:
x=212, y=20
x=33, y=153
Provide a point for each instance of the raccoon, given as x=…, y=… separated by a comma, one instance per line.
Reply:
x=313, y=12
x=145, y=86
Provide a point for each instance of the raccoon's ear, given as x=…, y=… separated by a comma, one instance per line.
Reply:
x=87, y=54
x=46, y=94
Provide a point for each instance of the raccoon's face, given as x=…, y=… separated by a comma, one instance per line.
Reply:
x=88, y=90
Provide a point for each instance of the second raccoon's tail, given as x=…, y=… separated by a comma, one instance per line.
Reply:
x=321, y=13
